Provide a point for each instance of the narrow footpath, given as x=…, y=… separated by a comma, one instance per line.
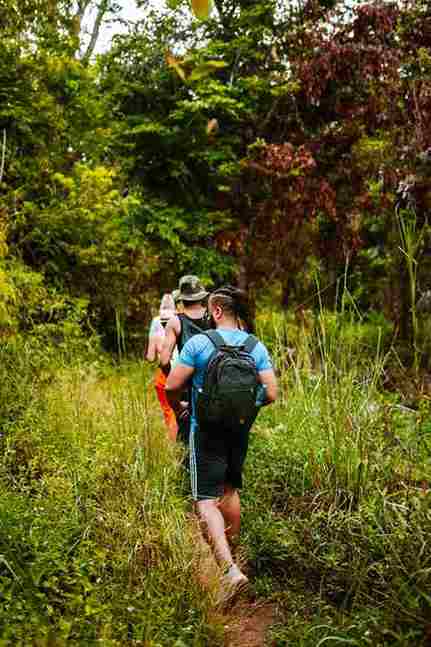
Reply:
x=248, y=623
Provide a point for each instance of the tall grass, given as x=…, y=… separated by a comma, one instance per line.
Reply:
x=95, y=539
x=337, y=491
x=411, y=240
x=330, y=396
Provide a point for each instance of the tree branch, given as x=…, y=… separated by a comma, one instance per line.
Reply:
x=101, y=11
x=82, y=8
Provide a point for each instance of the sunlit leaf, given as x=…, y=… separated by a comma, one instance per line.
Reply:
x=176, y=64
x=205, y=69
x=185, y=70
x=201, y=8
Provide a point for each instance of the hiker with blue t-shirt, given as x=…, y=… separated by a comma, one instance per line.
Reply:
x=232, y=376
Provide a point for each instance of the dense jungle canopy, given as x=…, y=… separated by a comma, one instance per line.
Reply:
x=282, y=145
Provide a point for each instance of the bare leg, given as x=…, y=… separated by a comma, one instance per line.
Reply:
x=172, y=429
x=213, y=520
x=230, y=508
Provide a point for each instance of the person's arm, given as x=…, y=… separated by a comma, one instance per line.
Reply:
x=155, y=346
x=269, y=382
x=152, y=349
x=172, y=332
x=155, y=339
x=177, y=380
x=268, y=390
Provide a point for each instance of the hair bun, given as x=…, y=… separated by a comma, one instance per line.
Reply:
x=238, y=303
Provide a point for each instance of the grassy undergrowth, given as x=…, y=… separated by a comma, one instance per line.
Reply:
x=337, y=515
x=95, y=544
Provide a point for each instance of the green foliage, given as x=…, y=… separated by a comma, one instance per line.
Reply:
x=243, y=150
x=83, y=235
x=335, y=502
x=336, y=505
x=254, y=144
x=119, y=560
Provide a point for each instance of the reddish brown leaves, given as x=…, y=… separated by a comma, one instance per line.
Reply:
x=296, y=193
x=283, y=160
x=375, y=20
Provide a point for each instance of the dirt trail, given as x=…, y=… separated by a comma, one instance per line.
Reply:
x=248, y=620
x=248, y=623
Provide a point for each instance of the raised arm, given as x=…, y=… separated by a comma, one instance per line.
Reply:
x=172, y=332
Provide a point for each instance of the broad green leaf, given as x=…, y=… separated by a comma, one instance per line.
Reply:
x=184, y=67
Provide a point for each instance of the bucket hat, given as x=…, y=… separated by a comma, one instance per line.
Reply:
x=191, y=289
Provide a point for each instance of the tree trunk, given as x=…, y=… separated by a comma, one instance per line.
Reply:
x=101, y=12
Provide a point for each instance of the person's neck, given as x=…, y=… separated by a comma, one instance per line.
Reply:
x=228, y=323
x=194, y=311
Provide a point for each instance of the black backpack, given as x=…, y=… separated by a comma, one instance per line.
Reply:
x=228, y=396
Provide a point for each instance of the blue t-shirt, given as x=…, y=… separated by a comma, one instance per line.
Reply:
x=198, y=350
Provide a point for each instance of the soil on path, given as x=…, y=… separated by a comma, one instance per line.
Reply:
x=248, y=620
x=248, y=623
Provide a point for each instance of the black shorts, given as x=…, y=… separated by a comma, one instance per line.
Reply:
x=217, y=458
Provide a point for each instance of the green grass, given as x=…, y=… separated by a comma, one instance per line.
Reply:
x=97, y=544
x=337, y=501
x=95, y=540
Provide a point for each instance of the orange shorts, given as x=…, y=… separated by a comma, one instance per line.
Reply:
x=168, y=413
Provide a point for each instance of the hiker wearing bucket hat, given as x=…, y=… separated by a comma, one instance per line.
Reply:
x=155, y=344
x=191, y=290
x=179, y=330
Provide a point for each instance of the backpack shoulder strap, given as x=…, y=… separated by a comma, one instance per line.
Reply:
x=250, y=344
x=215, y=337
x=188, y=328
x=194, y=328
x=181, y=319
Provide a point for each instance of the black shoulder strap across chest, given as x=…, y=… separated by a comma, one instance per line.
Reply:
x=189, y=327
x=249, y=344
